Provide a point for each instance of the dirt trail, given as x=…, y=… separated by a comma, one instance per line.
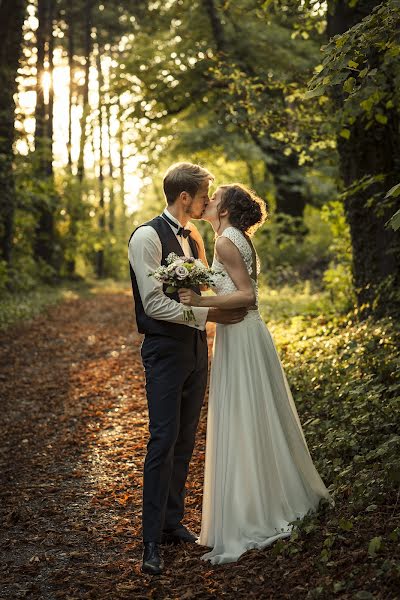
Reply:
x=73, y=436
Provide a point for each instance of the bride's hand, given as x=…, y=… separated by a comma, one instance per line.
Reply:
x=189, y=297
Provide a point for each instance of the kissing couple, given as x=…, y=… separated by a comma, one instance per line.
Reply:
x=259, y=475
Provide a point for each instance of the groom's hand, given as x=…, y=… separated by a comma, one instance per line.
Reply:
x=226, y=316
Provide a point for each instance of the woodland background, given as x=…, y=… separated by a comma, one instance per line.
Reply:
x=298, y=100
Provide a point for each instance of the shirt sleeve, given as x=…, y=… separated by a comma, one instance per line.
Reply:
x=145, y=254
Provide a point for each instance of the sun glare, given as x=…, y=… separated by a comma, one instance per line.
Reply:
x=60, y=83
x=46, y=85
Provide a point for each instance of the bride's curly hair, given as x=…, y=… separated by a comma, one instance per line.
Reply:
x=246, y=210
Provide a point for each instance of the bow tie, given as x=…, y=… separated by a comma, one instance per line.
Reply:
x=181, y=230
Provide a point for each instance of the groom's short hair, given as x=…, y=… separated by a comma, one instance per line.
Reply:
x=184, y=177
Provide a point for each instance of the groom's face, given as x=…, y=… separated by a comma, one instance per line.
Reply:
x=199, y=201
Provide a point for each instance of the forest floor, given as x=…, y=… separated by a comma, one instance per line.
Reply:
x=73, y=438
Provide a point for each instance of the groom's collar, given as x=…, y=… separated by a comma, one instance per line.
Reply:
x=174, y=219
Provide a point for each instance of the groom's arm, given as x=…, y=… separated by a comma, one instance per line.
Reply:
x=145, y=254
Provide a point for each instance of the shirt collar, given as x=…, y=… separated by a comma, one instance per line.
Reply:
x=174, y=219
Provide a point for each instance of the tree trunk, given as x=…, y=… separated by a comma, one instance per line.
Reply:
x=216, y=25
x=85, y=108
x=11, y=19
x=70, y=89
x=44, y=233
x=121, y=159
x=111, y=218
x=50, y=111
x=376, y=249
x=102, y=217
x=77, y=198
x=40, y=108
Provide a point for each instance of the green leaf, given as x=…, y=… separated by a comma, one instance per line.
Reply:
x=345, y=525
x=171, y=289
x=394, y=191
x=374, y=545
x=394, y=222
x=267, y=4
x=338, y=586
x=340, y=41
x=352, y=64
x=318, y=91
x=345, y=133
x=381, y=118
x=348, y=85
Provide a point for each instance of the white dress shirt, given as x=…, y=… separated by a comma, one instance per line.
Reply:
x=145, y=254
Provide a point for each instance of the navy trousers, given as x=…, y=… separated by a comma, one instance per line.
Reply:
x=176, y=379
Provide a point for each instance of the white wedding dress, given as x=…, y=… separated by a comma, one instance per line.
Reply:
x=259, y=474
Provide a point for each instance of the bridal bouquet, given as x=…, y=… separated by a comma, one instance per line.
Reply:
x=183, y=272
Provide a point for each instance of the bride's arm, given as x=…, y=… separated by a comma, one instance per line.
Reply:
x=233, y=262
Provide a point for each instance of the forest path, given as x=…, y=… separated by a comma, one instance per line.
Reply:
x=73, y=438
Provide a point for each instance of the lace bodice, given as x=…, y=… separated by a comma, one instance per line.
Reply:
x=223, y=284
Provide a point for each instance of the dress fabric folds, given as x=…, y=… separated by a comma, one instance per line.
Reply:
x=259, y=474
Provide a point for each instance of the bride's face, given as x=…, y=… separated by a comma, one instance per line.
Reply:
x=211, y=212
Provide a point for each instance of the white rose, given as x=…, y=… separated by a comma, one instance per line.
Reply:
x=181, y=273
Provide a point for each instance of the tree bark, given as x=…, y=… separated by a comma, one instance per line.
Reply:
x=77, y=198
x=50, y=110
x=111, y=212
x=216, y=25
x=40, y=108
x=11, y=20
x=71, y=83
x=369, y=152
x=120, y=136
x=85, y=108
x=102, y=216
x=44, y=233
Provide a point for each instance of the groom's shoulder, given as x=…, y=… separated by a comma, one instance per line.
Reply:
x=146, y=229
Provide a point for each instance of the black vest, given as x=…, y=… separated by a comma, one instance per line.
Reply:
x=146, y=324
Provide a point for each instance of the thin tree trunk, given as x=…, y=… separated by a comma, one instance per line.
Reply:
x=71, y=83
x=111, y=218
x=11, y=20
x=50, y=112
x=85, y=109
x=120, y=136
x=77, y=199
x=102, y=216
x=44, y=233
x=40, y=108
x=216, y=25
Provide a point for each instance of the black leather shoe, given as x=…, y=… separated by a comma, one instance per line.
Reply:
x=180, y=535
x=152, y=561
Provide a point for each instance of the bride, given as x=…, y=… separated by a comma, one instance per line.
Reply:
x=259, y=475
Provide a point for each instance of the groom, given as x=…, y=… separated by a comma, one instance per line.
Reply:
x=174, y=355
